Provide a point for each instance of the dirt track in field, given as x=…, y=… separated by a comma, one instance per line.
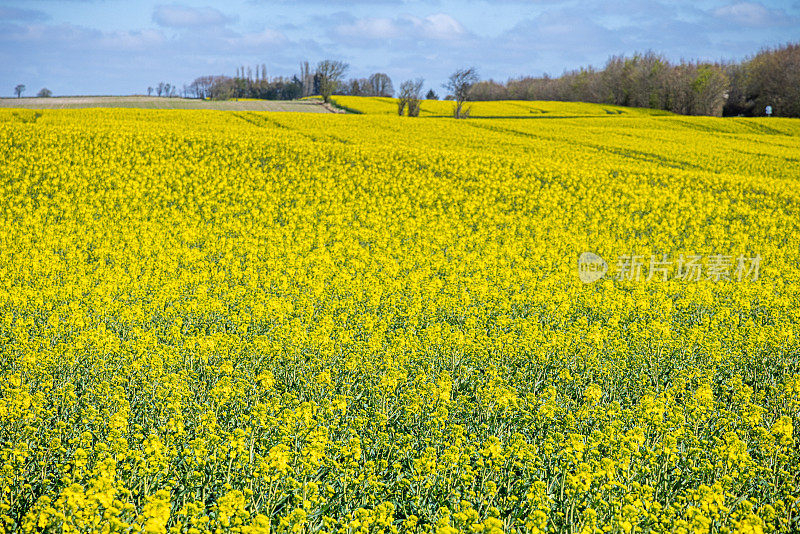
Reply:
x=154, y=102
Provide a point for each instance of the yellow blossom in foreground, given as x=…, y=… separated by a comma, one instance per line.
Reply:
x=361, y=324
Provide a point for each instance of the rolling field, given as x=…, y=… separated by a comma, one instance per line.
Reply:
x=494, y=109
x=237, y=321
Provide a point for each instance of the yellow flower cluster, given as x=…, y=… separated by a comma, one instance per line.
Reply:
x=251, y=322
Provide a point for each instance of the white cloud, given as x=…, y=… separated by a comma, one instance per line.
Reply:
x=441, y=26
x=64, y=37
x=176, y=16
x=253, y=41
x=370, y=28
x=437, y=27
x=17, y=14
x=752, y=14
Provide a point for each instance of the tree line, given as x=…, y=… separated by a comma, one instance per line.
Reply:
x=770, y=78
x=325, y=79
x=44, y=92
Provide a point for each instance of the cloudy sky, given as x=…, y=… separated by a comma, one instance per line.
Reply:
x=122, y=46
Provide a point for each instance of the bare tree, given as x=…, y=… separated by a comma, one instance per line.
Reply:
x=44, y=92
x=201, y=87
x=149, y=91
x=306, y=79
x=220, y=87
x=488, y=90
x=459, y=84
x=330, y=75
x=381, y=85
x=410, y=95
x=358, y=87
x=19, y=89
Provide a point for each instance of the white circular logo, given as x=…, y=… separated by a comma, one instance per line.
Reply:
x=591, y=267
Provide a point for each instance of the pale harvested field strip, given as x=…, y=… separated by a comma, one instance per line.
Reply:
x=153, y=102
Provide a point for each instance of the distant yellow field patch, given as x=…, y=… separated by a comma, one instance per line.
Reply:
x=510, y=108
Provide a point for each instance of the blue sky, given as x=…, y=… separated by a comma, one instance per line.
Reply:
x=122, y=46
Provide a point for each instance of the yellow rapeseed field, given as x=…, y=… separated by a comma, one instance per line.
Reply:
x=218, y=321
x=493, y=109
